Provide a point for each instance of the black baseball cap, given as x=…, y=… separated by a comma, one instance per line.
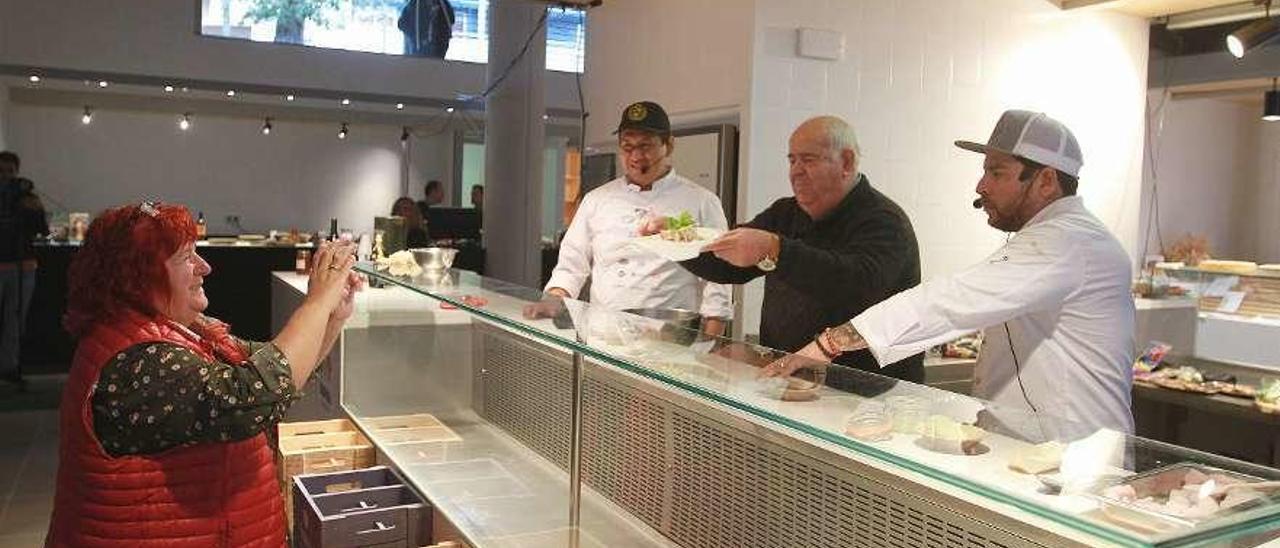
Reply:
x=645, y=116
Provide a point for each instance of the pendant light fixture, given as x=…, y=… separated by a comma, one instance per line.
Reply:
x=1253, y=35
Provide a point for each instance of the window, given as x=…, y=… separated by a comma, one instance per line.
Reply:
x=374, y=26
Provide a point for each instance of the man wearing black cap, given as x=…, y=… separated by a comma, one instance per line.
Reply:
x=1053, y=303
x=598, y=242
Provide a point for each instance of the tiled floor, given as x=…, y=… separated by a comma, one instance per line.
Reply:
x=28, y=463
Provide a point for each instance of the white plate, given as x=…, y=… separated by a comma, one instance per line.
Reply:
x=677, y=251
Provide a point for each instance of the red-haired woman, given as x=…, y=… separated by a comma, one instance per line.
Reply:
x=164, y=414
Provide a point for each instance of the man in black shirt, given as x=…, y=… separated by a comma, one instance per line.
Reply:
x=836, y=248
x=21, y=219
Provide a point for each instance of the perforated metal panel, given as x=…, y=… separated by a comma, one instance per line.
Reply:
x=526, y=392
x=702, y=482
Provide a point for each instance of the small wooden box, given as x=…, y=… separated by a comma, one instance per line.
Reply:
x=318, y=446
x=358, y=508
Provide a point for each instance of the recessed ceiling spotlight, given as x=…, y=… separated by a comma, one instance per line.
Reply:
x=231, y=93
x=288, y=97
x=399, y=106
x=449, y=110
x=168, y=89
x=34, y=78
x=103, y=83
x=346, y=101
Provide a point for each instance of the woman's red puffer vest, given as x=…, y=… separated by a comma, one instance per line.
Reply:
x=204, y=495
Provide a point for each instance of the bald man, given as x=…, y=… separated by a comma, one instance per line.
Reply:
x=834, y=249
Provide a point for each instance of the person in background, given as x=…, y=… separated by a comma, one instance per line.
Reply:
x=834, y=249
x=415, y=234
x=1053, y=303
x=432, y=195
x=598, y=243
x=163, y=421
x=477, y=197
x=427, y=26
x=22, y=219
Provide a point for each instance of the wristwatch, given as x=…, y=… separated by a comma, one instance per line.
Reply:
x=770, y=263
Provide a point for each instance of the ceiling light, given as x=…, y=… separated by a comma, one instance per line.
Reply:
x=184, y=89
x=231, y=93
x=266, y=126
x=545, y=117
x=346, y=102
x=87, y=117
x=168, y=89
x=342, y=133
x=103, y=83
x=449, y=110
x=1252, y=35
x=1271, y=104
x=399, y=106
x=34, y=78
x=288, y=97
x=185, y=123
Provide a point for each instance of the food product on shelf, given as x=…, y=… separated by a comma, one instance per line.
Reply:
x=1232, y=389
x=909, y=413
x=870, y=422
x=1037, y=459
x=400, y=263
x=947, y=435
x=1178, y=495
x=1233, y=267
x=1268, y=399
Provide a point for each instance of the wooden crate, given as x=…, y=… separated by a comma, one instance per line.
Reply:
x=369, y=507
x=318, y=446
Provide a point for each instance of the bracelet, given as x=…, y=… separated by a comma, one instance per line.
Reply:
x=817, y=339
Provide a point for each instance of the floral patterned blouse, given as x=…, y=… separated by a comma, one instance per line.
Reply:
x=158, y=395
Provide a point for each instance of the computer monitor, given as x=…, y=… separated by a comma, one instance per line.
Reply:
x=453, y=223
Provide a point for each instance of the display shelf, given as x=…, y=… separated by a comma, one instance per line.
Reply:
x=652, y=403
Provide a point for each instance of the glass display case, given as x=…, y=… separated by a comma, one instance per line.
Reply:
x=544, y=422
x=1248, y=292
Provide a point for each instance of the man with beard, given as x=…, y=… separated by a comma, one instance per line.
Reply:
x=1053, y=303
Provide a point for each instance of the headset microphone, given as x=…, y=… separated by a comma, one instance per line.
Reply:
x=977, y=203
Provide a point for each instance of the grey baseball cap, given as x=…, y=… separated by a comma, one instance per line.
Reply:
x=1034, y=136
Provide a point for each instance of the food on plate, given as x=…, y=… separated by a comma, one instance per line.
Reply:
x=1037, y=459
x=400, y=263
x=788, y=389
x=681, y=228
x=1181, y=491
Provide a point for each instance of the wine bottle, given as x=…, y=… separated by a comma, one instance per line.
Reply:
x=202, y=230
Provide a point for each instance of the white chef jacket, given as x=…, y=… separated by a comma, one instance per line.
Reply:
x=624, y=276
x=1061, y=285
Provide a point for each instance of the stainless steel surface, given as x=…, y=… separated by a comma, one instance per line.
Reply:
x=704, y=477
x=434, y=258
x=575, y=453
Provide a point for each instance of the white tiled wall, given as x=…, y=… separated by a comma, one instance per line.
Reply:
x=919, y=74
x=916, y=75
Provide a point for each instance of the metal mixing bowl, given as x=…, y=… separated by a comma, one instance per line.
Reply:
x=434, y=258
x=682, y=326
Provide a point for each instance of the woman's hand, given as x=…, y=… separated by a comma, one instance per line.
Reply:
x=355, y=283
x=330, y=274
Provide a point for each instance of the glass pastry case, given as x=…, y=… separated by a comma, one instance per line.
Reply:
x=544, y=422
x=1237, y=288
